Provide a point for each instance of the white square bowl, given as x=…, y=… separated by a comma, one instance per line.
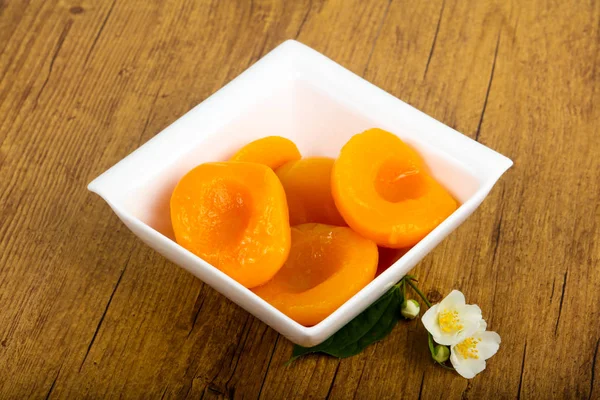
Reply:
x=300, y=94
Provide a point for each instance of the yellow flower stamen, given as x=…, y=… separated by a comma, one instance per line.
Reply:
x=468, y=348
x=449, y=321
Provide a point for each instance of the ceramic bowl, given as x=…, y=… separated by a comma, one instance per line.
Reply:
x=300, y=94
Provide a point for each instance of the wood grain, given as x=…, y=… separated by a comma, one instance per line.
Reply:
x=88, y=311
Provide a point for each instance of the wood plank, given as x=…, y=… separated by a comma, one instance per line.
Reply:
x=125, y=114
x=545, y=249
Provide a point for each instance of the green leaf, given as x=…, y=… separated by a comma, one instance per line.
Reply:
x=370, y=326
x=300, y=351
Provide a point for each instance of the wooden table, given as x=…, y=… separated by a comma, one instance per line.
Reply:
x=87, y=310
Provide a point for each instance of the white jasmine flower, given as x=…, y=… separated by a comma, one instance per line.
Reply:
x=452, y=320
x=468, y=357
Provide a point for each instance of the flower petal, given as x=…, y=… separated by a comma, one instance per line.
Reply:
x=470, y=317
x=489, y=345
x=471, y=312
x=430, y=322
x=467, y=368
x=447, y=339
x=482, y=326
x=454, y=299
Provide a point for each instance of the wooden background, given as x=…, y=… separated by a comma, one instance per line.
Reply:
x=87, y=310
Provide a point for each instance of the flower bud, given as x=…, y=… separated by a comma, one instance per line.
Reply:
x=441, y=353
x=410, y=309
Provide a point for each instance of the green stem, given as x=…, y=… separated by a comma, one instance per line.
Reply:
x=410, y=279
x=403, y=290
x=430, y=340
x=416, y=289
x=431, y=349
x=445, y=366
